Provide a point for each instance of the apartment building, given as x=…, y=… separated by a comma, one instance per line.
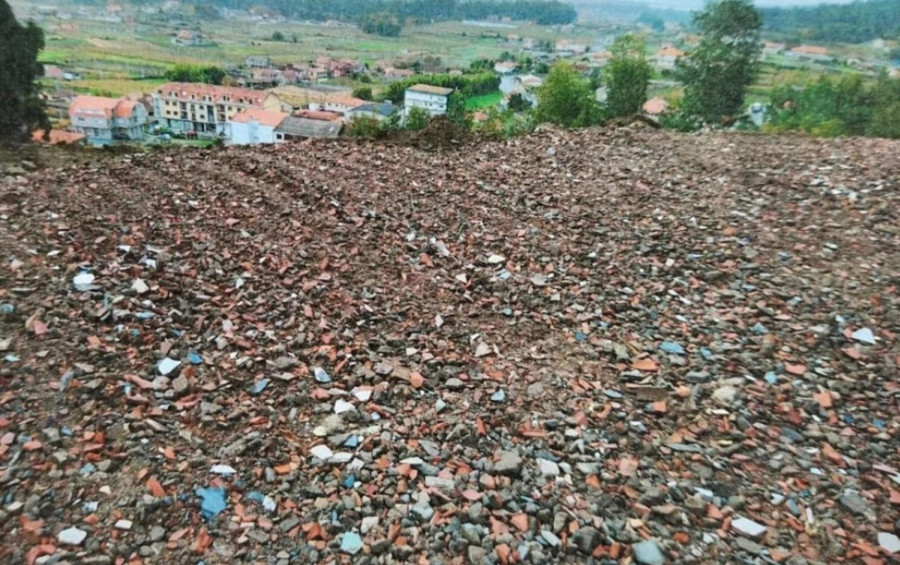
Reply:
x=204, y=108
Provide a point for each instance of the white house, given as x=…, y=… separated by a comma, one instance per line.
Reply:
x=505, y=67
x=105, y=120
x=253, y=126
x=432, y=99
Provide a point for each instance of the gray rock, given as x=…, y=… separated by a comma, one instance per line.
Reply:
x=854, y=503
x=551, y=538
x=725, y=395
x=648, y=553
x=157, y=533
x=510, y=464
x=586, y=539
x=548, y=468
x=477, y=555
x=424, y=510
x=454, y=384
x=289, y=523
x=750, y=547
x=180, y=385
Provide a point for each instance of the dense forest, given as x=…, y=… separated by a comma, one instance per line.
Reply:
x=540, y=11
x=848, y=23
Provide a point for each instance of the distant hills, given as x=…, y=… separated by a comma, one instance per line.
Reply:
x=848, y=23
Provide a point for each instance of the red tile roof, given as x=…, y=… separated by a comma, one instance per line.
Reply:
x=345, y=101
x=264, y=117
x=810, y=50
x=655, y=106
x=93, y=105
x=57, y=136
x=670, y=51
x=183, y=91
x=319, y=115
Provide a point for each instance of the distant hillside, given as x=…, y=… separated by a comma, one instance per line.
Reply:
x=847, y=23
x=540, y=11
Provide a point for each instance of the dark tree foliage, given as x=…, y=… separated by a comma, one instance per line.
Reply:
x=627, y=77
x=465, y=85
x=518, y=103
x=848, y=106
x=363, y=93
x=23, y=110
x=652, y=20
x=717, y=72
x=541, y=11
x=195, y=73
x=848, y=23
x=566, y=99
x=277, y=36
x=383, y=24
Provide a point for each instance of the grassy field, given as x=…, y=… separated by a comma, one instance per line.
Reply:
x=483, y=101
x=110, y=56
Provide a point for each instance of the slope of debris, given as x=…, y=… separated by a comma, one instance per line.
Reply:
x=608, y=346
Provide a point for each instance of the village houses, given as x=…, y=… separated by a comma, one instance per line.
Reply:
x=105, y=120
x=204, y=108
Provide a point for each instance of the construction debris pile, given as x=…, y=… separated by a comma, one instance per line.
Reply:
x=604, y=346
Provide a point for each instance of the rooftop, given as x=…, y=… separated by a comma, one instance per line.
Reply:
x=429, y=89
x=264, y=117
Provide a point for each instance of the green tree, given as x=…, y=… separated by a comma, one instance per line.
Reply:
x=717, y=73
x=417, y=119
x=277, y=36
x=23, y=109
x=195, y=73
x=566, y=99
x=363, y=93
x=518, y=103
x=384, y=24
x=627, y=76
x=886, y=115
x=456, y=109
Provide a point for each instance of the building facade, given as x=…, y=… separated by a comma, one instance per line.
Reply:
x=204, y=108
x=432, y=99
x=253, y=126
x=107, y=120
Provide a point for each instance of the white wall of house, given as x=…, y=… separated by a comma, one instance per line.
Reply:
x=251, y=133
x=435, y=104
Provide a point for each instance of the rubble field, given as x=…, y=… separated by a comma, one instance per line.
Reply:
x=603, y=346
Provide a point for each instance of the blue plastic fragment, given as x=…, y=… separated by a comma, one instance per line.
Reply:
x=672, y=347
x=579, y=336
x=848, y=419
x=771, y=378
x=352, y=441
x=706, y=353
x=878, y=423
x=194, y=358
x=349, y=481
x=260, y=386
x=759, y=329
x=144, y=315
x=88, y=469
x=256, y=496
x=212, y=501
